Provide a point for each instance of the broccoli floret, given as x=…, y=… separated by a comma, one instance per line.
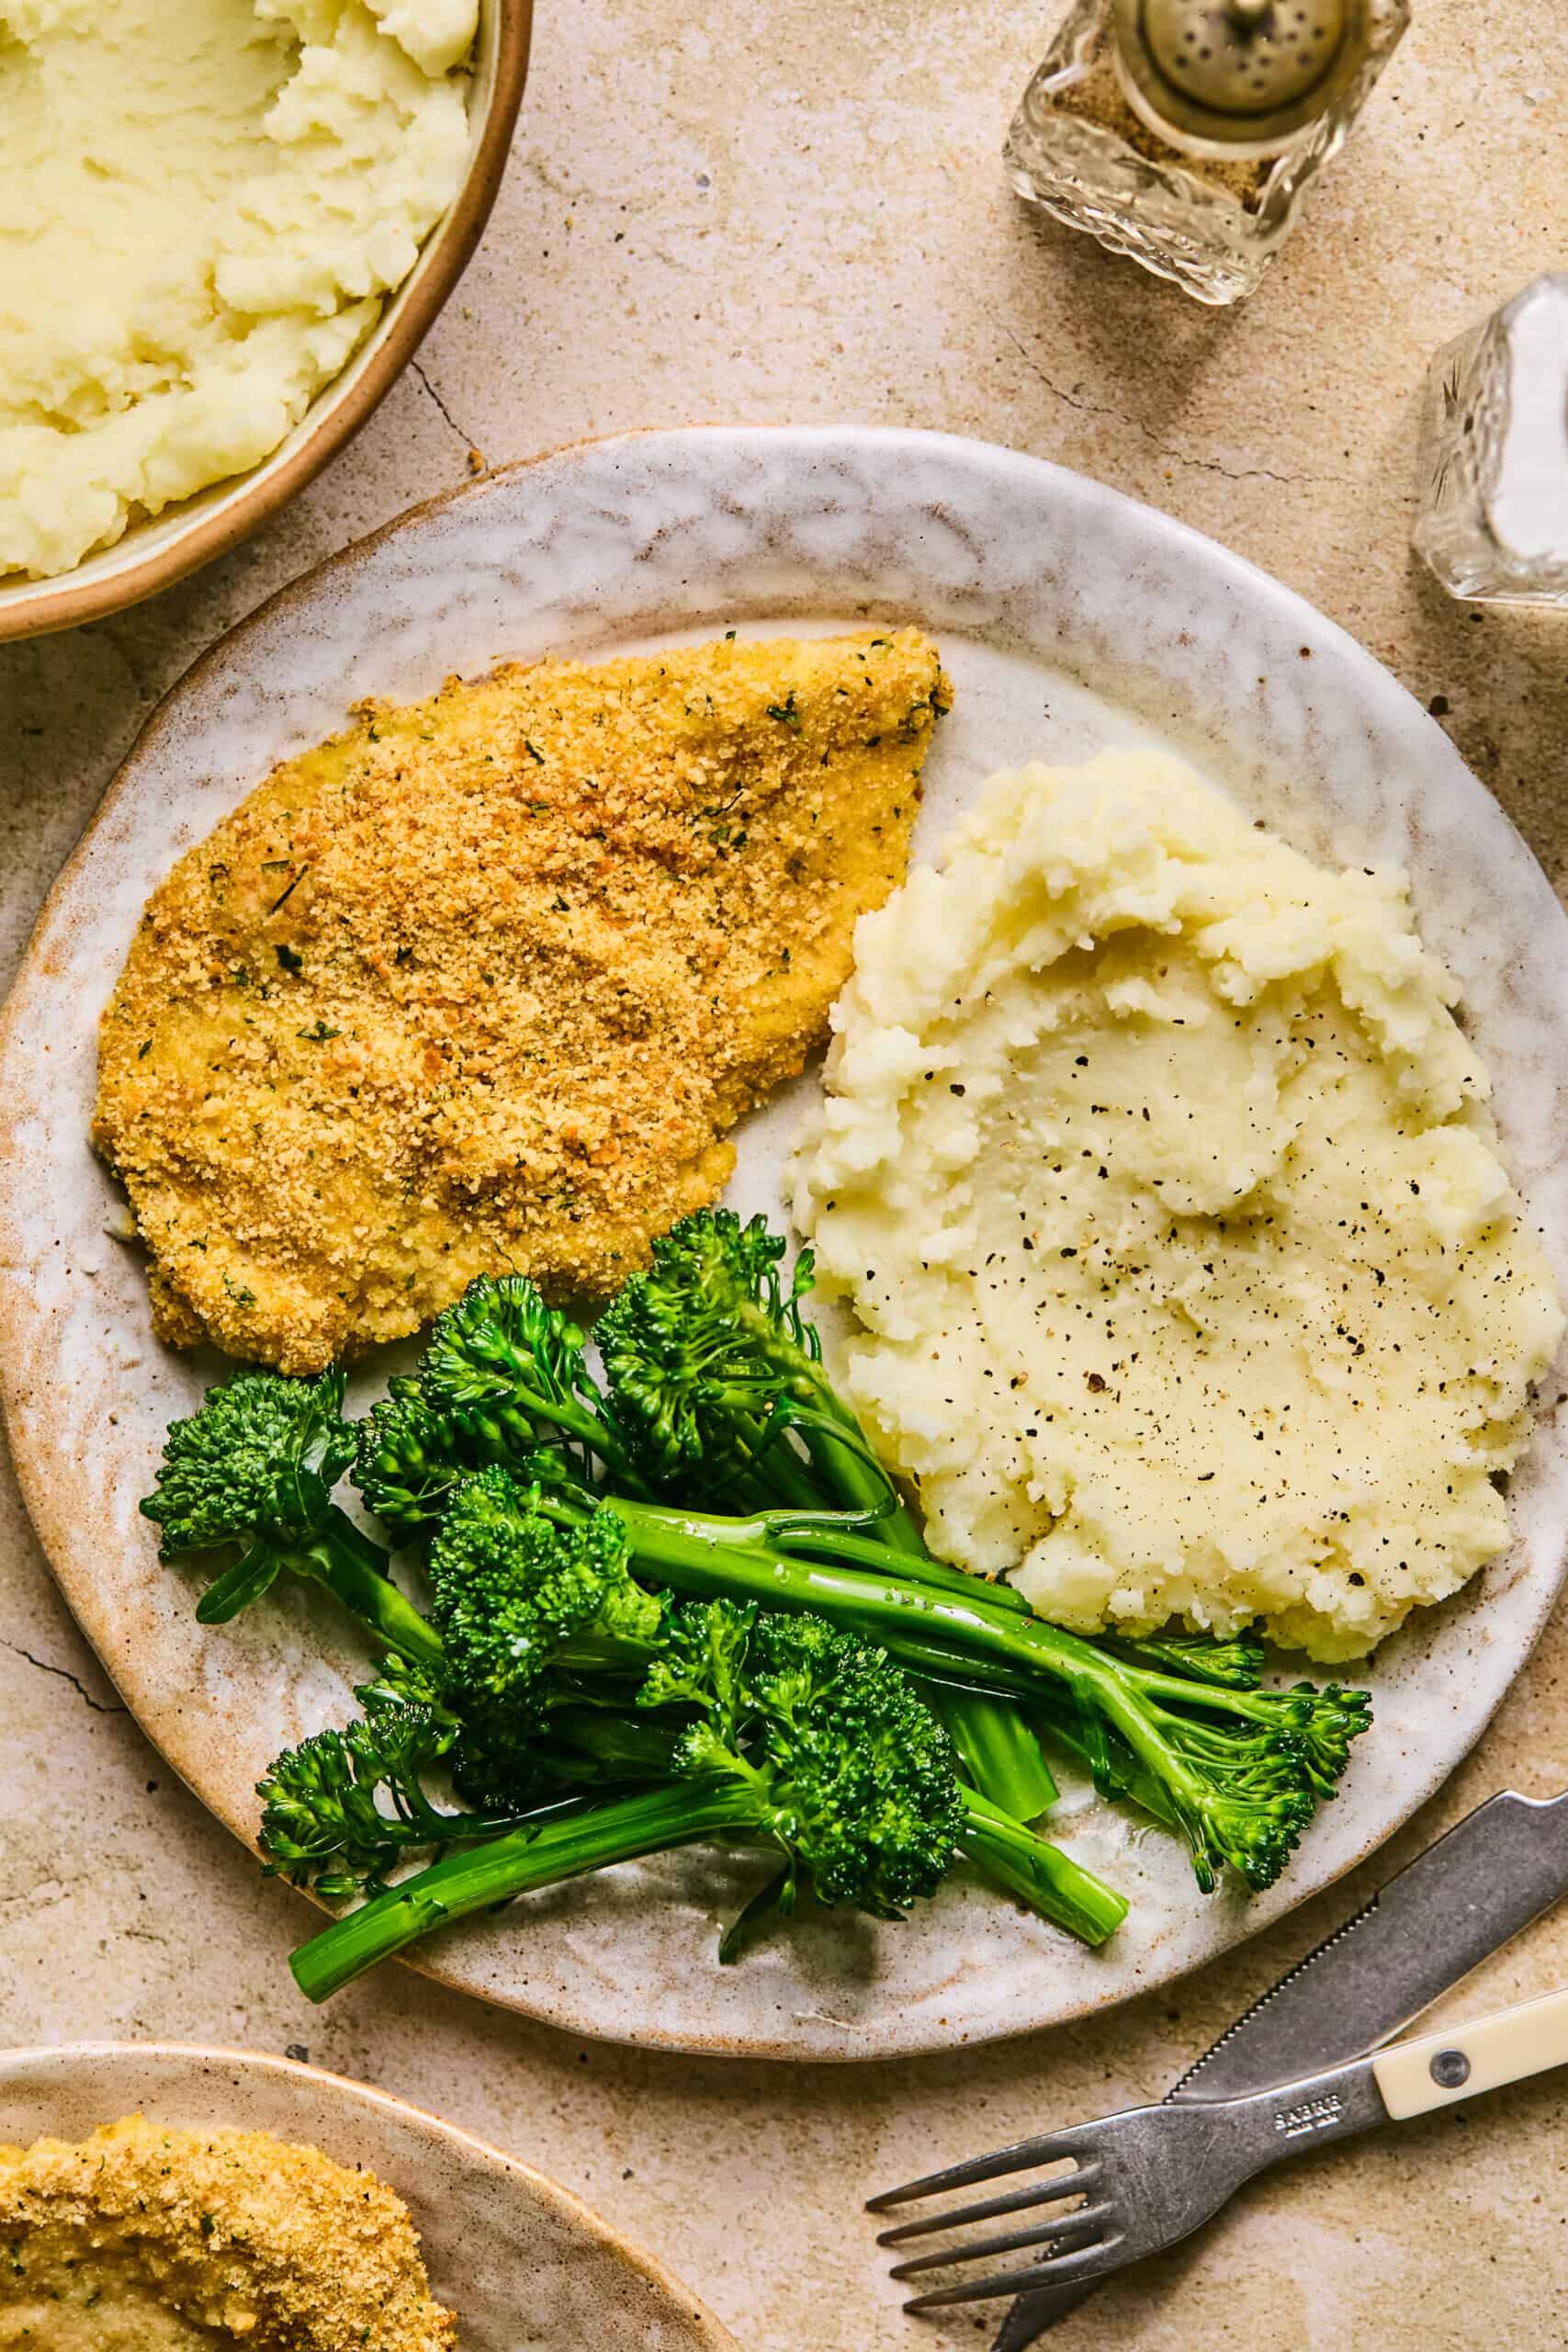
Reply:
x=706, y=1351
x=409, y=1457
x=1238, y=1772
x=1321, y=1726
x=702, y=1663
x=515, y=1597
x=710, y=1362
x=321, y=1822
x=251, y=1474
x=262, y=1452
x=529, y=1611
x=507, y=1375
x=1237, y=1660
x=854, y=1778
x=1245, y=1780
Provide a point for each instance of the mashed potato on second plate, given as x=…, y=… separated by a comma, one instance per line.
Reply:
x=1159, y=1176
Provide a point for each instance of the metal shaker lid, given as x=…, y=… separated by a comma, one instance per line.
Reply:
x=1236, y=74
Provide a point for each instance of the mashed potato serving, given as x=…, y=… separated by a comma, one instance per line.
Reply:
x=201, y=208
x=1160, y=1178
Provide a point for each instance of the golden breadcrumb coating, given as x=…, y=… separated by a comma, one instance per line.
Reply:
x=483, y=983
x=147, y=2237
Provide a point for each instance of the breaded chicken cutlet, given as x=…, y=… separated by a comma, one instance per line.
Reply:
x=144, y=2235
x=484, y=982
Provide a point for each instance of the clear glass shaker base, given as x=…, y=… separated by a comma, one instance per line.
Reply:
x=1212, y=225
x=1492, y=515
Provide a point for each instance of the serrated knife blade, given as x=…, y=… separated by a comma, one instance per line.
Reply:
x=1441, y=1916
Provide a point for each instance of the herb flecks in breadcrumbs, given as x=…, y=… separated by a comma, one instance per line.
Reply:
x=485, y=982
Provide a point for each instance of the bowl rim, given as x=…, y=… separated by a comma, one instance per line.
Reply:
x=28, y=2059
x=68, y=602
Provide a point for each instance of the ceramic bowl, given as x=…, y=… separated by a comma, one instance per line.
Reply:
x=518, y=2260
x=155, y=553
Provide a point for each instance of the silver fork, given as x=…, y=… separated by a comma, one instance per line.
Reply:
x=1151, y=2175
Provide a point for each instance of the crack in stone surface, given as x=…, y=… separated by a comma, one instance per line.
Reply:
x=1148, y=432
x=65, y=1675
x=465, y=439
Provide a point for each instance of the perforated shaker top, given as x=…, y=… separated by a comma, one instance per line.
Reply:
x=1237, y=72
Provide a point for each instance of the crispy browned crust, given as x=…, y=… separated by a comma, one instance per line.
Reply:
x=270, y=2246
x=484, y=982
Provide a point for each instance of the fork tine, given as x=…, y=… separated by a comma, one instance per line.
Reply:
x=1087, y=2262
x=1081, y=2178
x=1059, y=2232
x=1018, y=2158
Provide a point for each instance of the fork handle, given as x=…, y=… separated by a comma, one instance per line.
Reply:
x=1441, y=2068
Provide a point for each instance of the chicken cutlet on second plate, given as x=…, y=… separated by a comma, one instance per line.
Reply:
x=484, y=982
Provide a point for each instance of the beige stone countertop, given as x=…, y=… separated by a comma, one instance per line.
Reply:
x=796, y=211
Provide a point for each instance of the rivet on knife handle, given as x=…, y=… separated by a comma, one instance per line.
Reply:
x=1423, y=1931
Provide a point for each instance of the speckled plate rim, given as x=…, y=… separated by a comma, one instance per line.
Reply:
x=672, y=2303
x=1529, y=1584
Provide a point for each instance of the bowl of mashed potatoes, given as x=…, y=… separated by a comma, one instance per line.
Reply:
x=224, y=229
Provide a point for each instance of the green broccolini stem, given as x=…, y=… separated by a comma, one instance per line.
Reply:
x=564, y=1843
x=777, y=1473
x=994, y=1647
x=609, y=1744
x=574, y=1419
x=1039, y=1874
x=856, y=1482
x=818, y=1537
x=589, y=1430
x=339, y=1557
x=997, y=1746
x=713, y=1559
x=1122, y=1771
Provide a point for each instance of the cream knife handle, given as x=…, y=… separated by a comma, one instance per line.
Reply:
x=1442, y=2068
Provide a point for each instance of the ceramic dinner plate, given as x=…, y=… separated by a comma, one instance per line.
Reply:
x=519, y=2261
x=1068, y=618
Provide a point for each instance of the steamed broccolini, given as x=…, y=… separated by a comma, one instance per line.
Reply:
x=251, y=1474
x=1178, y=1723
x=559, y=1673
x=585, y=1716
x=781, y=1733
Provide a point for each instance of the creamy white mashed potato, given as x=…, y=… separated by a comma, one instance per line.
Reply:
x=202, y=205
x=1160, y=1178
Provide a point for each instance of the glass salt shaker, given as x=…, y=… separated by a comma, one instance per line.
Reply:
x=1493, y=513
x=1185, y=133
